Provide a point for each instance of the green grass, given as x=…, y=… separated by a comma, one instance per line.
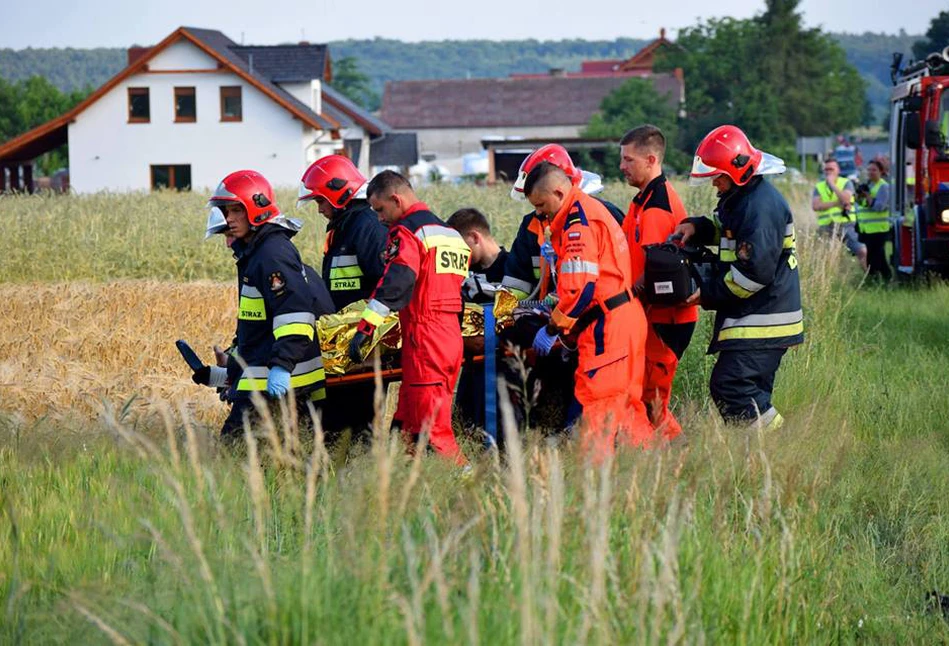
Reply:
x=831, y=530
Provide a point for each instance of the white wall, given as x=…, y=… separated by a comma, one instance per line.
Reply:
x=182, y=55
x=455, y=142
x=108, y=153
x=307, y=92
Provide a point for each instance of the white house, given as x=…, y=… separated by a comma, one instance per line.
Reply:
x=197, y=106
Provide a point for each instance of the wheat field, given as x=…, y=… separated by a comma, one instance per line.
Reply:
x=123, y=521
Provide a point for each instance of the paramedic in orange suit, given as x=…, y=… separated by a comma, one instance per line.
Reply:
x=653, y=216
x=596, y=308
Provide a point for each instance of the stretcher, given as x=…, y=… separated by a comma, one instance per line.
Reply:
x=489, y=359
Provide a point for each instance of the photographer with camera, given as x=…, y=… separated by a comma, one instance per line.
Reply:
x=754, y=287
x=873, y=219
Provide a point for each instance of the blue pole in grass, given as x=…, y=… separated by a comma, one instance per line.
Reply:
x=490, y=377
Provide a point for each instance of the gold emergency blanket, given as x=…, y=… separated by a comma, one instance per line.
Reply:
x=472, y=323
x=337, y=330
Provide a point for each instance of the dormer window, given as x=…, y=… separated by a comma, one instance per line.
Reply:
x=186, y=109
x=139, y=108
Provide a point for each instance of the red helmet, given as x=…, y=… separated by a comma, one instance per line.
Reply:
x=726, y=150
x=334, y=178
x=250, y=188
x=553, y=153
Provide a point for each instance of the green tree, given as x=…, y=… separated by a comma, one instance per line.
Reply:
x=937, y=37
x=634, y=103
x=350, y=80
x=27, y=104
x=767, y=75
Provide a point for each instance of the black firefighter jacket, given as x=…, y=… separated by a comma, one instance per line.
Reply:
x=754, y=287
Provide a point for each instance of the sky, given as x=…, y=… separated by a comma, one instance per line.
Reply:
x=120, y=23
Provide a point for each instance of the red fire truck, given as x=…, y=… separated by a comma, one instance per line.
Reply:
x=919, y=197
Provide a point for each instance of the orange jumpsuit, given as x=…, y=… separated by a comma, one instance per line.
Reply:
x=653, y=216
x=594, y=282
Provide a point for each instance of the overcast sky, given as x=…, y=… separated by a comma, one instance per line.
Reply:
x=120, y=23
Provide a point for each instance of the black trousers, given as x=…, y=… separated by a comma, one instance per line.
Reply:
x=877, y=262
x=233, y=427
x=742, y=382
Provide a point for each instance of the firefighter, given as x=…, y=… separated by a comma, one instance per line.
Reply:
x=833, y=202
x=873, y=220
x=355, y=239
x=754, y=287
x=426, y=263
x=595, y=310
x=352, y=265
x=276, y=350
x=522, y=269
x=652, y=218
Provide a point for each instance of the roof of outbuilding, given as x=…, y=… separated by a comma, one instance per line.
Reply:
x=505, y=102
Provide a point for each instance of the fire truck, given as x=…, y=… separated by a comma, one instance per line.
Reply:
x=919, y=196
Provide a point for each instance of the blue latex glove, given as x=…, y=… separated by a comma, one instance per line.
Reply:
x=278, y=382
x=544, y=341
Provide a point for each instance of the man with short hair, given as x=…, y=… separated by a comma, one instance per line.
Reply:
x=873, y=220
x=527, y=275
x=487, y=256
x=595, y=308
x=652, y=217
x=426, y=262
x=833, y=202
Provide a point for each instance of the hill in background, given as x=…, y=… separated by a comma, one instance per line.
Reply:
x=385, y=59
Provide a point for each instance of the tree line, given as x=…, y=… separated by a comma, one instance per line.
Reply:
x=769, y=74
x=378, y=60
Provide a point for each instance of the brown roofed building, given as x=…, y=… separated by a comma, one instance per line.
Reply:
x=452, y=116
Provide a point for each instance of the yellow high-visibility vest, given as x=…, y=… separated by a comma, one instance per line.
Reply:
x=874, y=221
x=835, y=214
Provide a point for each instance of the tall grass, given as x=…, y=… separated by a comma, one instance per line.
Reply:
x=121, y=524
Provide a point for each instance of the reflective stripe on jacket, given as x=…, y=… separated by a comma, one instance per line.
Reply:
x=755, y=287
x=352, y=259
x=277, y=308
x=523, y=267
x=426, y=262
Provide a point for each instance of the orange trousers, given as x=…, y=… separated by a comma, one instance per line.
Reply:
x=661, y=364
x=612, y=397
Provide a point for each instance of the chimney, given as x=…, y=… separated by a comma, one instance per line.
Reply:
x=558, y=72
x=304, y=43
x=662, y=33
x=136, y=53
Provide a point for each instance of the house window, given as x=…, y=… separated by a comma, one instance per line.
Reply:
x=177, y=177
x=185, y=106
x=231, y=103
x=139, y=111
